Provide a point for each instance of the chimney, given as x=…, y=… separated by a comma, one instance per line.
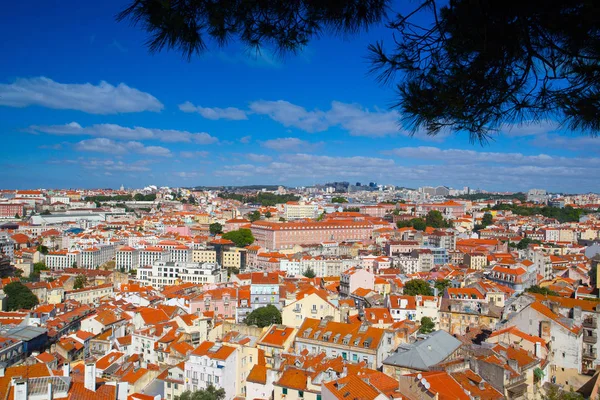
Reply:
x=20, y=388
x=90, y=376
x=50, y=397
x=2, y=369
x=122, y=389
x=66, y=369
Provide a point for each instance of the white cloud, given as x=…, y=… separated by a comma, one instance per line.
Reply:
x=113, y=131
x=354, y=118
x=214, y=112
x=193, y=154
x=103, y=145
x=245, y=139
x=103, y=98
x=258, y=157
x=188, y=174
x=289, y=144
x=466, y=157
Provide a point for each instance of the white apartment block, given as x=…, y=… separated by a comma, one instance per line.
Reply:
x=165, y=273
x=213, y=364
x=63, y=259
x=95, y=256
x=151, y=254
x=127, y=258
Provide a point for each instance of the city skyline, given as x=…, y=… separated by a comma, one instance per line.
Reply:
x=95, y=109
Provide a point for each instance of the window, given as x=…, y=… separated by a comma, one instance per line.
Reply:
x=169, y=384
x=216, y=379
x=284, y=391
x=300, y=394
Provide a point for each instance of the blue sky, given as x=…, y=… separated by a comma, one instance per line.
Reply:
x=83, y=104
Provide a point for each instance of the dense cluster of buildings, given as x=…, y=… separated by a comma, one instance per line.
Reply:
x=148, y=299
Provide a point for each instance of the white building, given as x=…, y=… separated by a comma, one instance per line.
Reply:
x=165, y=273
x=213, y=363
x=127, y=258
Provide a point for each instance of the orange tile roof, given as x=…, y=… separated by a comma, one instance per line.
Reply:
x=276, y=336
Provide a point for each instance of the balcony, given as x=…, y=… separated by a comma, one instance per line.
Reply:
x=297, y=310
x=591, y=354
x=194, y=381
x=313, y=311
x=590, y=339
x=590, y=323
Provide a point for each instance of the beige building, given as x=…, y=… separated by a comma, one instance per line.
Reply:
x=90, y=295
x=476, y=261
x=309, y=305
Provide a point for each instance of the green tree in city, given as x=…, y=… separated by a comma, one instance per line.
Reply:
x=80, y=282
x=339, y=199
x=241, y=238
x=268, y=214
x=210, y=393
x=309, y=273
x=215, y=228
x=427, y=325
x=417, y=287
x=264, y=316
x=541, y=290
x=42, y=249
x=487, y=219
x=435, y=219
x=19, y=297
x=441, y=285
x=253, y=216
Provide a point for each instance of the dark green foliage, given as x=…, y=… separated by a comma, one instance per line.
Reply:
x=487, y=219
x=542, y=290
x=215, y=228
x=80, y=282
x=253, y=216
x=241, y=238
x=566, y=214
x=42, y=249
x=144, y=197
x=309, y=273
x=339, y=199
x=101, y=198
x=265, y=199
x=188, y=26
x=417, y=286
x=268, y=214
x=19, y=297
x=480, y=65
x=525, y=242
x=441, y=285
x=38, y=267
x=210, y=393
x=416, y=223
x=554, y=393
x=264, y=316
x=435, y=219
x=427, y=325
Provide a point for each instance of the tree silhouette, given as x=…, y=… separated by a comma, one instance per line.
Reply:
x=463, y=65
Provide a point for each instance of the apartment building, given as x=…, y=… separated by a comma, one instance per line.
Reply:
x=299, y=210
x=277, y=236
x=90, y=295
x=127, y=258
x=166, y=273
x=63, y=259
x=213, y=364
x=95, y=256
x=354, y=341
